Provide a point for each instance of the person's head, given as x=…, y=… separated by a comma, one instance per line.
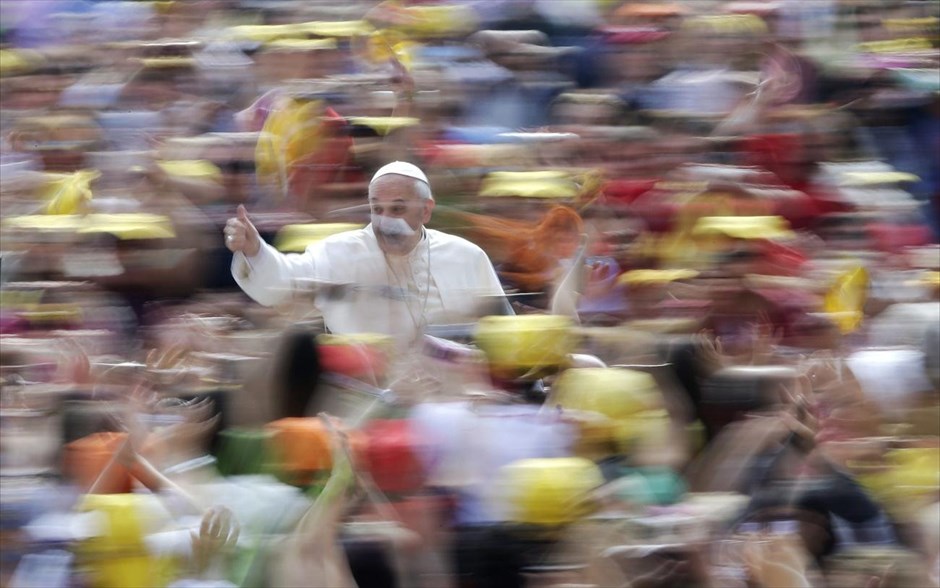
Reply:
x=401, y=203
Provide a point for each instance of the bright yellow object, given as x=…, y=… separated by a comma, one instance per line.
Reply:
x=119, y=558
x=656, y=276
x=896, y=45
x=293, y=131
x=196, y=169
x=549, y=491
x=386, y=44
x=525, y=341
x=535, y=184
x=438, y=20
x=69, y=193
x=744, y=227
x=845, y=301
x=630, y=398
x=130, y=226
x=909, y=481
x=167, y=62
x=727, y=24
x=122, y=226
x=296, y=238
x=18, y=61
x=53, y=313
x=617, y=393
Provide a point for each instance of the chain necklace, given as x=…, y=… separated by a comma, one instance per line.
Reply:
x=419, y=321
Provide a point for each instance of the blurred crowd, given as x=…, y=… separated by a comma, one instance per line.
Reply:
x=716, y=222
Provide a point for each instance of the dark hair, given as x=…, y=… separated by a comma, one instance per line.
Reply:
x=297, y=373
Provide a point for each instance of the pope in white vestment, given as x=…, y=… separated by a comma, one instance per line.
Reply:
x=393, y=277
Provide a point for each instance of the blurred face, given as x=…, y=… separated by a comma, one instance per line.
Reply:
x=398, y=212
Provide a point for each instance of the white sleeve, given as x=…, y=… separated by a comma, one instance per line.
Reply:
x=269, y=277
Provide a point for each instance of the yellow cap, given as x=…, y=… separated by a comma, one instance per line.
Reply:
x=532, y=184
x=192, y=169
x=549, y=491
x=130, y=225
x=656, y=276
x=728, y=24
x=744, y=227
x=617, y=393
x=296, y=238
x=290, y=44
x=168, y=62
x=18, y=61
x=525, y=341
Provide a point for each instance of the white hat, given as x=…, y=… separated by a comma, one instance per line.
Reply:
x=401, y=168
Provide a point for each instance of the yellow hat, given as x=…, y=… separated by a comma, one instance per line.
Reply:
x=549, y=491
x=653, y=276
x=191, y=168
x=525, y=341
x=530, y=184
x=130, y=225
x=296, y=238
x=744, y=227
x=122, y=226
x=18, y=61
x=727, y=24
x=290, y=44
x=264, y=33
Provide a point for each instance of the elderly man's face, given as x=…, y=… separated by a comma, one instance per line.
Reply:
x=398, y=212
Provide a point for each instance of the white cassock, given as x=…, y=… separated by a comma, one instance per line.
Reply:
x=444, y=280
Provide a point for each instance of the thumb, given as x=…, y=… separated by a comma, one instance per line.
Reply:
x=242, y=213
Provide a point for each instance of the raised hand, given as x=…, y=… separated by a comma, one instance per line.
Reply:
x=241, y=235
x=218, y=534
